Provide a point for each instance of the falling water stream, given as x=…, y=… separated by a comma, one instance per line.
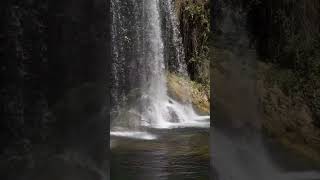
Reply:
x=153, y=136
x=139, y=68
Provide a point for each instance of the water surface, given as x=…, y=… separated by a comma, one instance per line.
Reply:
x=176, y=154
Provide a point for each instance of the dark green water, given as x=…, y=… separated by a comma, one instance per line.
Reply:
x=176, y=154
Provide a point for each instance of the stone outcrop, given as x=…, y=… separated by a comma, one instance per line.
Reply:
x=287, y=119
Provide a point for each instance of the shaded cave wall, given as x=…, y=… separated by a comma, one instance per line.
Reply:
x=54, y=95
x=79, y=56
x=24, y=69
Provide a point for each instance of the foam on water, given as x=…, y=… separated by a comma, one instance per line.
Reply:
x=134, y=135
x=184, y=116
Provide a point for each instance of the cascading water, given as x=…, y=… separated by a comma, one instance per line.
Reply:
x=139, y=91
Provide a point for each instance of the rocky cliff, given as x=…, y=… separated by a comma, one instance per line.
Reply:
x=194, y=20
x=281, y=38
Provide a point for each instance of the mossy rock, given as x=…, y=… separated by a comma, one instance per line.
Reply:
x=184, y=90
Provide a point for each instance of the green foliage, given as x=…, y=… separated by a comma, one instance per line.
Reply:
x=291, y=41
x=302, y=78
x=305, y=59
x=197, y=16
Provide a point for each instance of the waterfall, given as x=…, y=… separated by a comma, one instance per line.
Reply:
x=139, y=86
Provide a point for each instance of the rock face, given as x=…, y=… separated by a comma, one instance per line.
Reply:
x=54, y=59
x=288, y=119
x=289, y=39
x=184, y=90
x=78, y=63
x=194, y=20
x=24, y=60
x=273, y=90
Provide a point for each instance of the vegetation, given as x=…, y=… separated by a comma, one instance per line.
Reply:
x=194, y=19
x=290, y=44
x=285, y=37
x=289, y=39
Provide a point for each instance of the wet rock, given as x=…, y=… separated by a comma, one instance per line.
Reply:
x=173, y=116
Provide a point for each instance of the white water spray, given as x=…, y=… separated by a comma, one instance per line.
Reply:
x=139, y=95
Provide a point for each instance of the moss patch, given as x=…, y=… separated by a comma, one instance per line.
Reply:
x=183, y=89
